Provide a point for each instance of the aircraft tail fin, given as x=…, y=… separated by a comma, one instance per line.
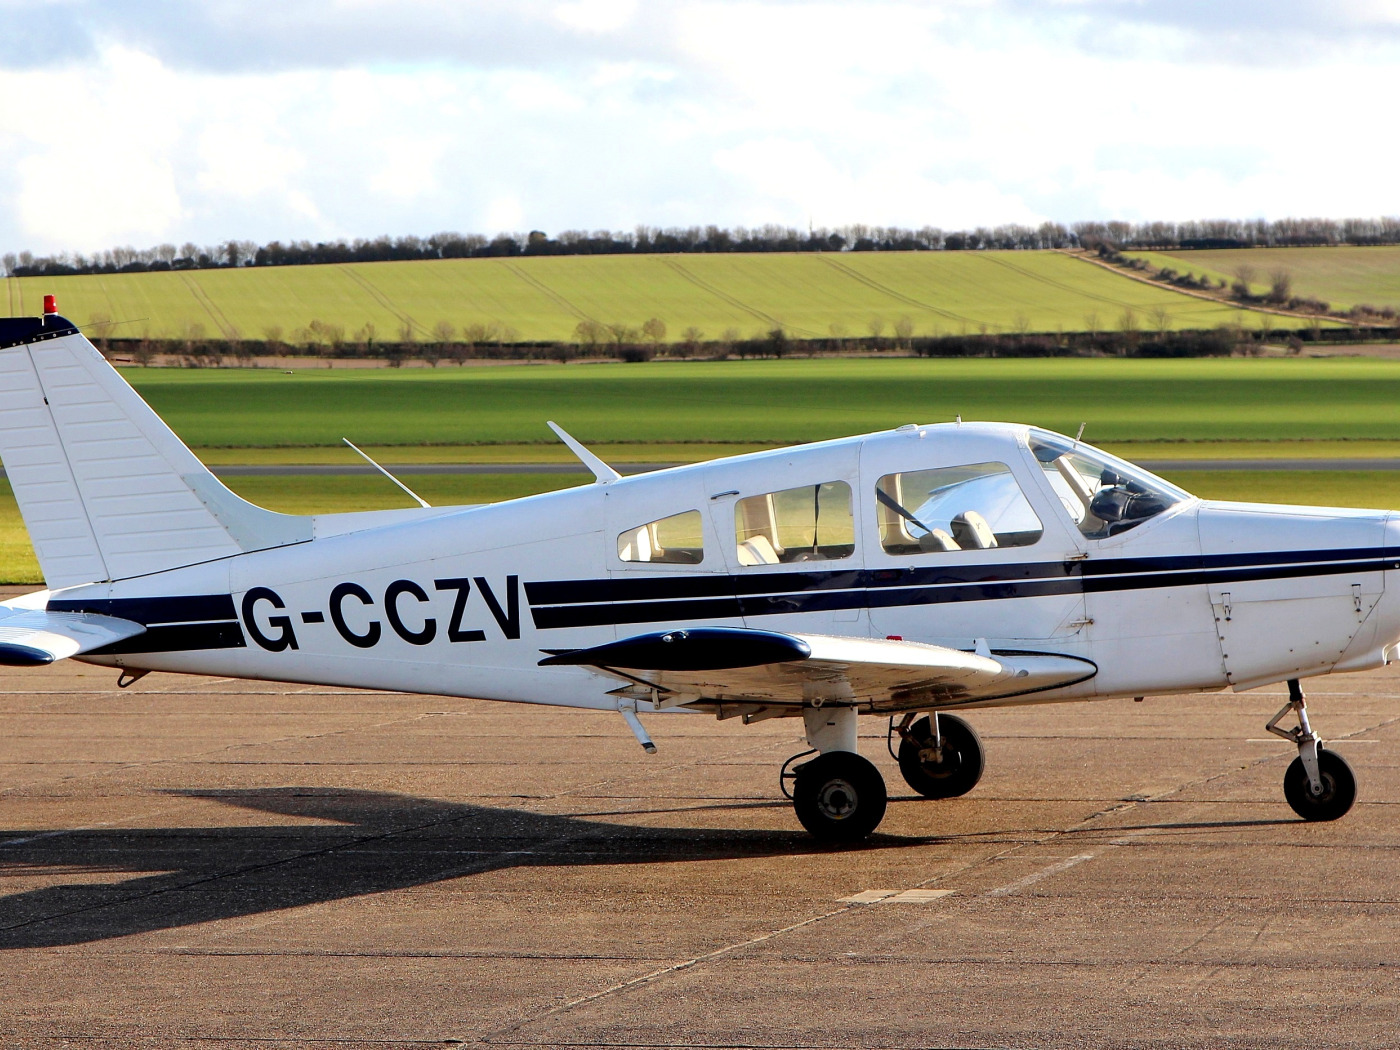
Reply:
x=106, y=489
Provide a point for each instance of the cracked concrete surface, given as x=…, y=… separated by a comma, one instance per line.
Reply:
x=201, y=862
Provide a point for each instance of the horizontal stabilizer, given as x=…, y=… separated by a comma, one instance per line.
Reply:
x=712, y=664
x=34, y=637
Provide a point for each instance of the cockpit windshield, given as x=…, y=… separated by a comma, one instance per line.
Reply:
x=1103, y=494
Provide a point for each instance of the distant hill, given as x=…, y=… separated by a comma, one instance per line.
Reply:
x=809, y=295
x=1344, y=276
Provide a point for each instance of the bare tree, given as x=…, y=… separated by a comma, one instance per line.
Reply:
x=621, y=335
x=590, y=335
x=1280, y=286
x=877, y=330
x=1091, y=323
x=1021, y=324
x=727, y=339
x=1244, y=277
x=689, y=345
x=1161, y=319
x=904, y=330
x=654, y=331
x=1128, y=324
x=365, y=338
x=440, y=346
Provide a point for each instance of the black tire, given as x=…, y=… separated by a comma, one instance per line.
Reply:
x=961, y=767
x=1338, y=787
x=839, y=796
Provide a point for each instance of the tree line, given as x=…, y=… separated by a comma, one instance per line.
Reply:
x=1128, y=335
x=1210, y=233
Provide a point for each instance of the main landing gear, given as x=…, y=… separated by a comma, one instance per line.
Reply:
x=840, y=796
x=1318, y=784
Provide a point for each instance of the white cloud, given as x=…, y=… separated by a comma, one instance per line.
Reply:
x=502, y=115
x=407, y=167
x=597, y=16
x=91, y=168
x=238, y=160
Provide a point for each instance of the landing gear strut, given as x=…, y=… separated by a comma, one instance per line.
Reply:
x=1318, y=784
x=838, y=796
x=940, y=756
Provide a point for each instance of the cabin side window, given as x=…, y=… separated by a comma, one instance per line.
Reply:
x=972, y=507
x=808, y=523
x=674, y=540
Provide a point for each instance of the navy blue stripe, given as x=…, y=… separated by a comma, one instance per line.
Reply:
x=549, y=617
x=1218, y=561
x=938, y=586
x=716, y=585
x=187, y=608
x=177, y=638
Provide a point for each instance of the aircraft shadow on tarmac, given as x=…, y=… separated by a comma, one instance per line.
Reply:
x=371, y=842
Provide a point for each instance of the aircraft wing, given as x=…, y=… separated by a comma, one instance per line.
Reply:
x=34, y=637
x=723, y=664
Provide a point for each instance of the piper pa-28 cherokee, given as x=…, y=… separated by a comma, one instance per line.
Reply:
x=905, y=574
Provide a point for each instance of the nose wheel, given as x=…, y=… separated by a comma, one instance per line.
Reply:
x=940, y=757
x=1319, y=784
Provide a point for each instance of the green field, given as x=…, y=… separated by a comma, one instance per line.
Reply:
x=811, y=295
x=779, y=402
x=1343, y=276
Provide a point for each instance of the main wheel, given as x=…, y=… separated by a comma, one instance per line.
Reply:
x=1338, y=787
x=960, y=767
x=839, y=796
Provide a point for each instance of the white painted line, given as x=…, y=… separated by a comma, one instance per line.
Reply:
x=1043, y=873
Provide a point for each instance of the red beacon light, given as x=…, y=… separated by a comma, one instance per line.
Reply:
x=50, y=305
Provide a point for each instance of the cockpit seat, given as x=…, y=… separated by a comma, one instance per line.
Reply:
x=938, y=540
x=971, y=531
x=757, y=550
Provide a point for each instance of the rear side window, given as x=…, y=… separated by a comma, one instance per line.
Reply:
x=675, y=540
x=972, y=507
x=808, y=523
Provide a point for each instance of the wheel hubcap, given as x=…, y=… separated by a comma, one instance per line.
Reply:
x=837, y=799
x=1328, y=787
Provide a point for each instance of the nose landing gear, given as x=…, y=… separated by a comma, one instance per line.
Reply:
x=1319, y=784
x=940, y=755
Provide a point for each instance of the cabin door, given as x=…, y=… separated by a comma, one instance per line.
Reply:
x=787, y=527
x=965, y=542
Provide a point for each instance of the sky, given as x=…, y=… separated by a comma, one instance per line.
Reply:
x=148, y=121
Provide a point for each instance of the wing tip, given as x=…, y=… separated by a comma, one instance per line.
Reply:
x=15, y=655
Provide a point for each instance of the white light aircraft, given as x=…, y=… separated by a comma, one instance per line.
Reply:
x=906, y=574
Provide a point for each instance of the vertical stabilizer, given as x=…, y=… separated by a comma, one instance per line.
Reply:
x=106, y=490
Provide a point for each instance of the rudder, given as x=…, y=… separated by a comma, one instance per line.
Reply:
x=106, y=489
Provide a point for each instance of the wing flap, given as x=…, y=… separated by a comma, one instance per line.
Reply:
x=34, y=637
x=734, y=664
